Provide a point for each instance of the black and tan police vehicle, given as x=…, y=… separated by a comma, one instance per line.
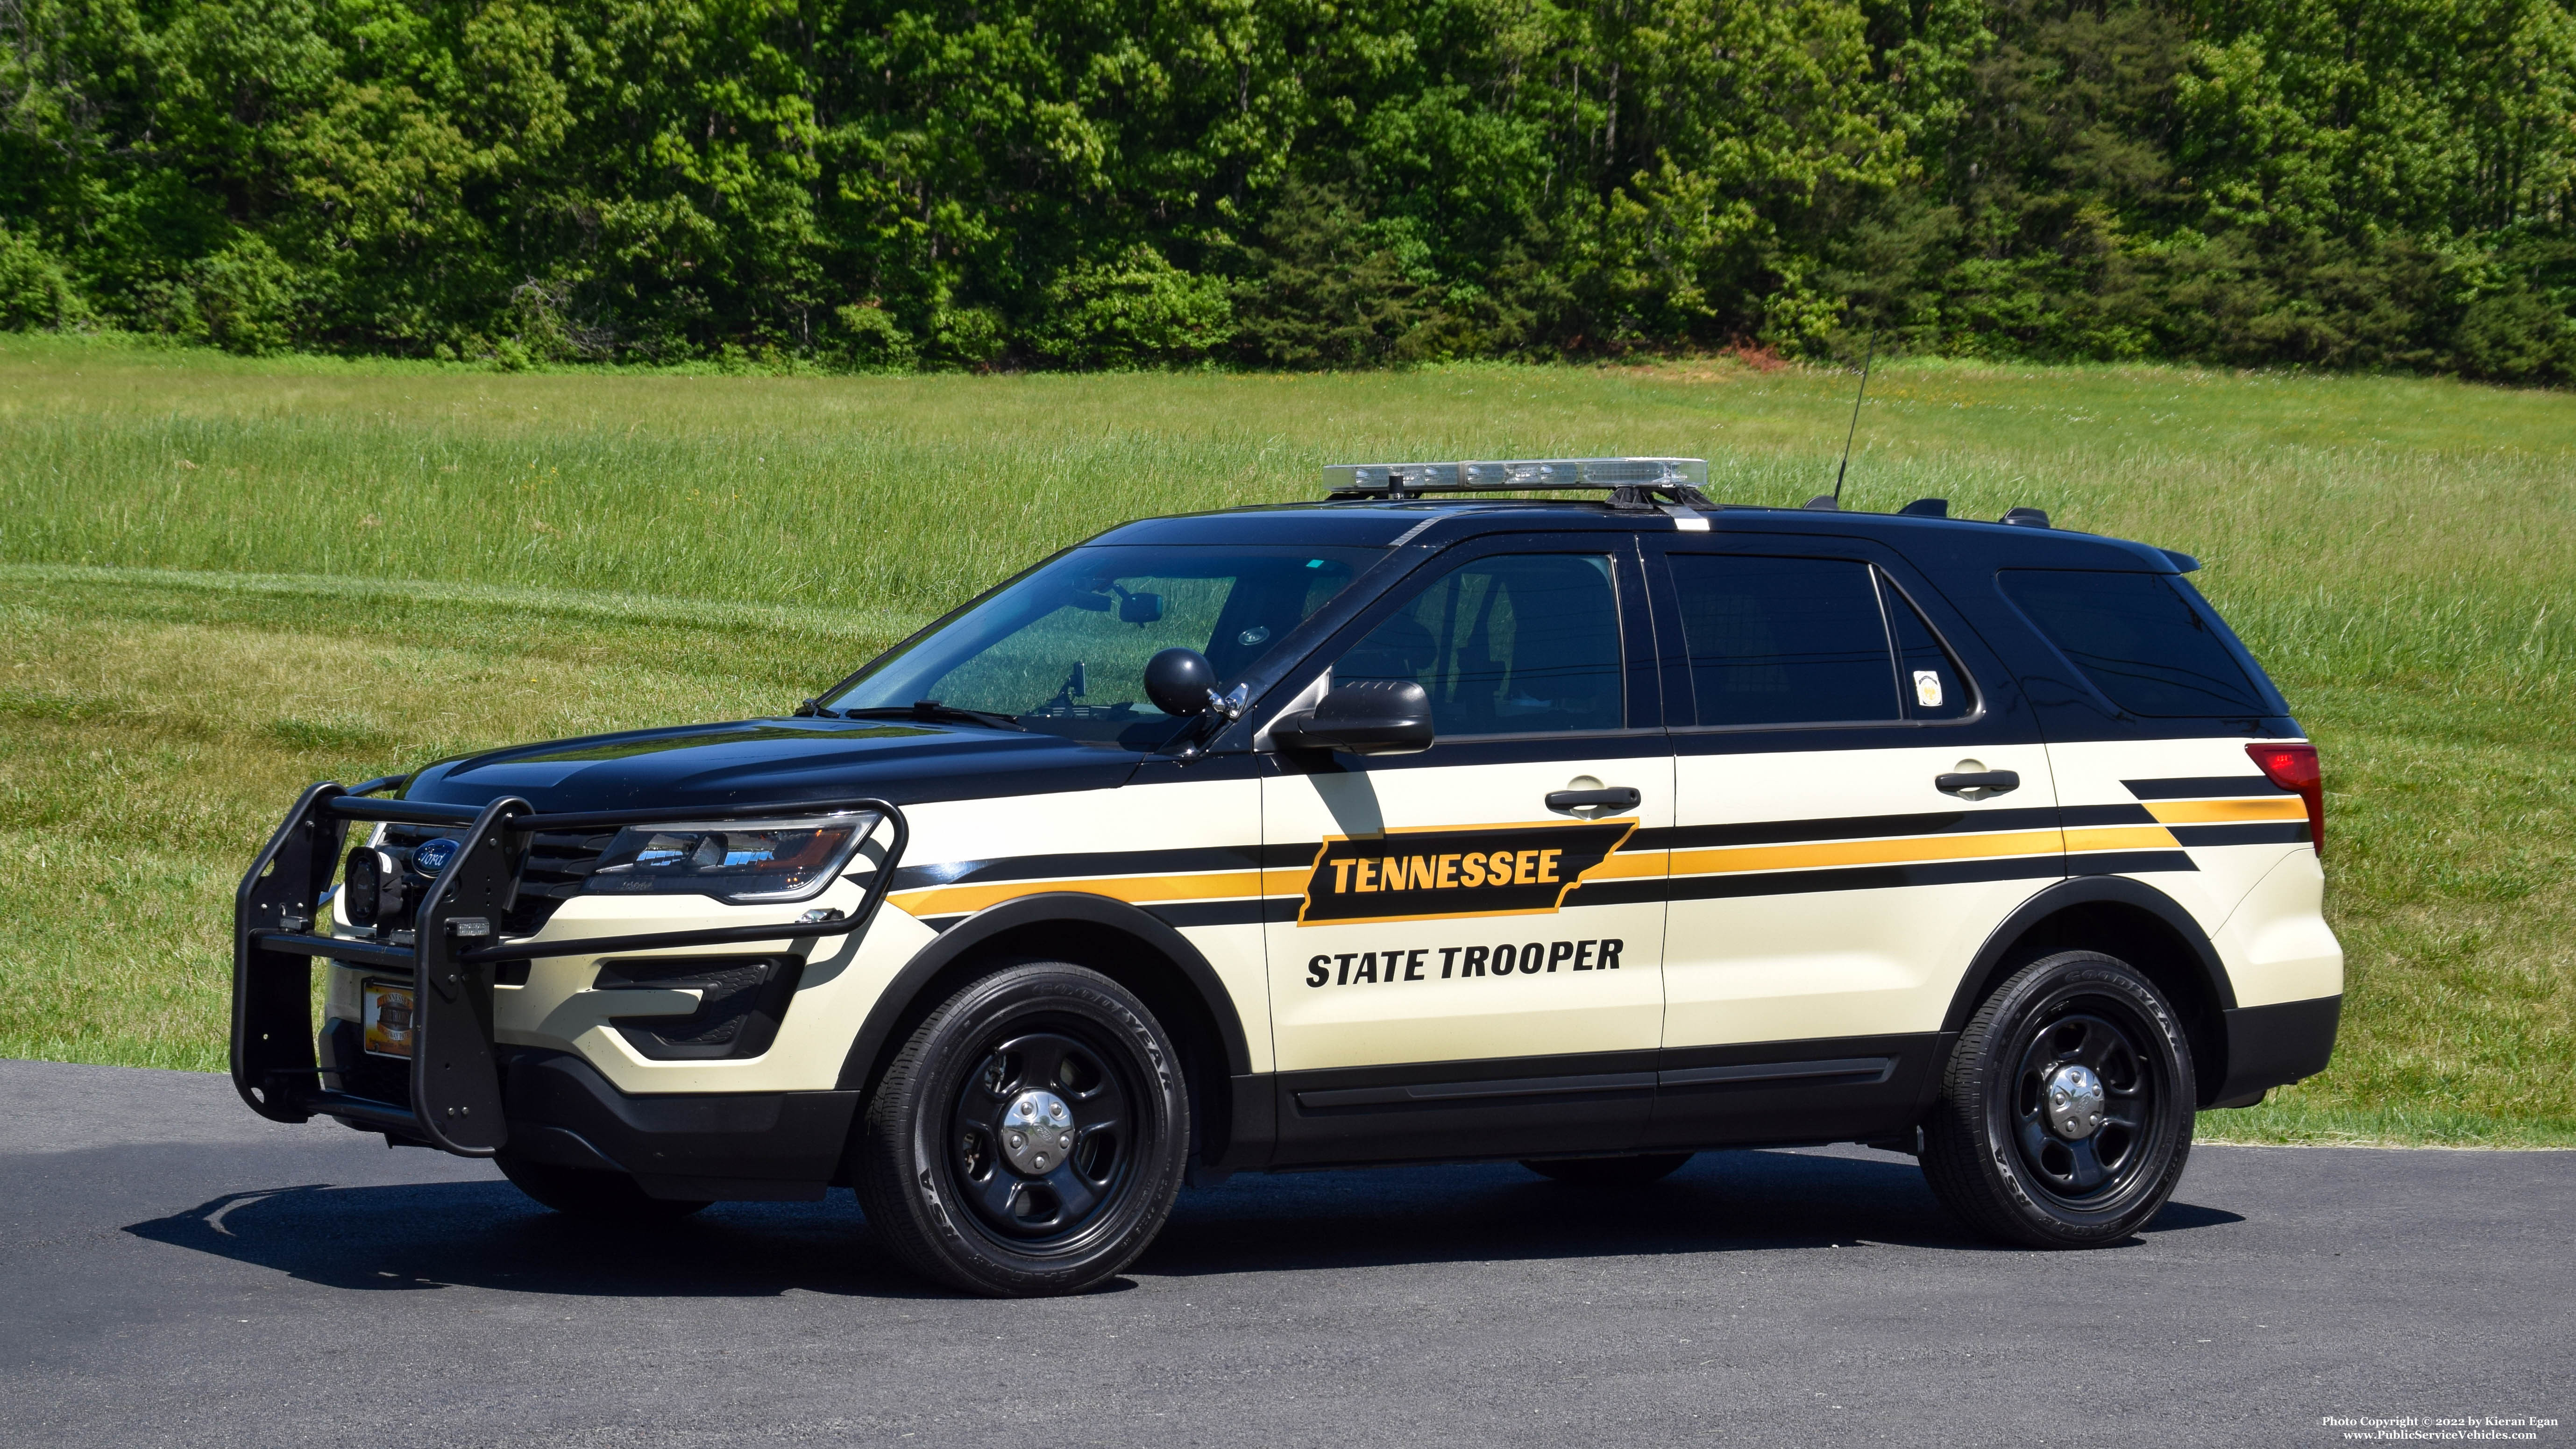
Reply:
x=1588, y=830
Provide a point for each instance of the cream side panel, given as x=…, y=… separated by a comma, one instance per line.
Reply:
x=1432, y=1010
x=2277, y=946
x=1807, y=964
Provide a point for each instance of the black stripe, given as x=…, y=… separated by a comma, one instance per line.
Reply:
x=1219, y=913
x=1105, y=862
x=2262, y=832
x=2204, y=787
x=1858, y=1069
x=1437, y=1092
x=2077, y=815
x=1857, y=878
x=1841, y=827
x=2127, y=862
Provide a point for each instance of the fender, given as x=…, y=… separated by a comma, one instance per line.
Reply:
x=2077, y=891
x=1047, y=908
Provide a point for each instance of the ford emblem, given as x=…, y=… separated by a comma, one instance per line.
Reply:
x=431, y=856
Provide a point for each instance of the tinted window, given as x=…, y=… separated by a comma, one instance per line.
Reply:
x=1784, y=640
x=2138, y=640
x=1933, y=685
x=1516, y=644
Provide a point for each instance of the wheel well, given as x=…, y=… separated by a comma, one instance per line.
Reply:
x=2144, y=939
x=1131, y=961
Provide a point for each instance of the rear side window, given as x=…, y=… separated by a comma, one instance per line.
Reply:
x=1784, y=640
x=2138, y=640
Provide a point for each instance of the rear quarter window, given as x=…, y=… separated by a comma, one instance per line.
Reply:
x=2139, y=639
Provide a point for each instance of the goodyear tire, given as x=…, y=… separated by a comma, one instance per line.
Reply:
x=1610, y=1171
x=2066, y=1110
x=1030, y=1138
x=599, y=1197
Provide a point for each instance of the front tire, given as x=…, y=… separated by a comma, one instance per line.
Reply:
x=1030, y=1138
x=2066, y=1110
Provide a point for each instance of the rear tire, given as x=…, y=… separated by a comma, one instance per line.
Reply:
x=598, y=1197
x=1030, y=1138
x=2066, y=1111
x=1610, y=1171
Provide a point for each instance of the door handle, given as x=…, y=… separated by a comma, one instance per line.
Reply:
x=1617, y=797
x=1994, y=782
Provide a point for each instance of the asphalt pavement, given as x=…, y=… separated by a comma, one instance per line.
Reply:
x=176, y=1271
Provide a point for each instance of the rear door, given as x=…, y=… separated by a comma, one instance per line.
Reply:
x=1859, y=802
x=1469, y=971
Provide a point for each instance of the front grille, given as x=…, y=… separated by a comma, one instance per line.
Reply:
x=556, y=868
x=552, y=872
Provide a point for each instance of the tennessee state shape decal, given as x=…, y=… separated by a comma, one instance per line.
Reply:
x=1438, y=874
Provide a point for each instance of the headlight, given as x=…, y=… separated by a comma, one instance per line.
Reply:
x=738, y=862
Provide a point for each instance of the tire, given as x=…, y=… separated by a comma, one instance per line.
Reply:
x=1611, y=1171
x=2022, y=1164
x=599, y=1197
x=955, y=1169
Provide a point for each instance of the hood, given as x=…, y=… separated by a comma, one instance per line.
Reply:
x=751, y=761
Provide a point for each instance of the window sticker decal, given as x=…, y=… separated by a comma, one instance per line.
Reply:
x=1444, y=874
x=1927, y=688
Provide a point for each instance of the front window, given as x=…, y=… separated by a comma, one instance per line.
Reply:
x=1063, y=650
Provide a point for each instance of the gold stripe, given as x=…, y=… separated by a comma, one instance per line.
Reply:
x=1133, y=889
x=2227, y=812
x=1728, y=859
x=2121, y=837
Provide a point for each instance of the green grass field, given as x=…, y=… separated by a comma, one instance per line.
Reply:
x=222, y=579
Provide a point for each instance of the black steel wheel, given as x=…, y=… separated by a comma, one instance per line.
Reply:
x=1030, y=1137
x=599, y=1197
x=2066, y=1111
x=1610, y=1171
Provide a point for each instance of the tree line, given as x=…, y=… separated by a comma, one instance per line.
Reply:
x=1299, y=183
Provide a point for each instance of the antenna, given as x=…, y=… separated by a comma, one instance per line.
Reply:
x=1866, y=357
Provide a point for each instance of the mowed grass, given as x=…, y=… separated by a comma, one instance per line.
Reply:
x=220, y=580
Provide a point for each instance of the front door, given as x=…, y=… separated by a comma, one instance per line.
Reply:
x=1854, y=815
x=1472, y=966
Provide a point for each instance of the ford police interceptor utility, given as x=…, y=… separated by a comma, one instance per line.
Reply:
x=1406, y=826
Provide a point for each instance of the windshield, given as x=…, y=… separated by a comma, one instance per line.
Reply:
x=1063, y=650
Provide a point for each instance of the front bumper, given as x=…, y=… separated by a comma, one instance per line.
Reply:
x=2273, y=1046
x=452, y=1091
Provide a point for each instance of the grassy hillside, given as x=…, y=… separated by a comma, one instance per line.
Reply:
x=221, y=579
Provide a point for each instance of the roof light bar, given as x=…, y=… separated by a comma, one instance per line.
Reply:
x=1401, y=480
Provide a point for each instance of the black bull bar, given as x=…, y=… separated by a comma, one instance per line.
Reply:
x=279, y=926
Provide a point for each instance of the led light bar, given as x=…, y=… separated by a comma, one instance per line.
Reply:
x=1396, y=479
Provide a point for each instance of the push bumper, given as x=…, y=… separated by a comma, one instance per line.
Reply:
x=451, y=1094
x=2273, y=1046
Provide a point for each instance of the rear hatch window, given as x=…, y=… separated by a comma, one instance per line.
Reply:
x=2148, y=642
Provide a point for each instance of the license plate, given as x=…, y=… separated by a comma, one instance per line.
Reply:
x=388, y=1019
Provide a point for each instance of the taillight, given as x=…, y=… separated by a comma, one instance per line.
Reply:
x=2294, y=767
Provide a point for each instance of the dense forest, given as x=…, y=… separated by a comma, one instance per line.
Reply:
x=1300, y=183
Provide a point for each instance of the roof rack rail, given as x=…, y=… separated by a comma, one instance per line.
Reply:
x=1630, y=482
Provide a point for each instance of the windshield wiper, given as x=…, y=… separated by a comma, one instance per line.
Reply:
x=931, y=711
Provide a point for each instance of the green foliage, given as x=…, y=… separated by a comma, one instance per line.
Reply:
x=1089, y=183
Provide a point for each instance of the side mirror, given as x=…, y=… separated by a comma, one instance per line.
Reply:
x=1363, y=717
x=1180, y=682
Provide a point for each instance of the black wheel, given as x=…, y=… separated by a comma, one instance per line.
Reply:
x=602, y=1197
x=1611, y=1171
x=2066, y=1112
x=1030, y=1137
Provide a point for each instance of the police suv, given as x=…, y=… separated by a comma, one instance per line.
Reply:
x=1406, y=826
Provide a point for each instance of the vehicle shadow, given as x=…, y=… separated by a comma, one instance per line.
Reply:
x=419, y=1237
